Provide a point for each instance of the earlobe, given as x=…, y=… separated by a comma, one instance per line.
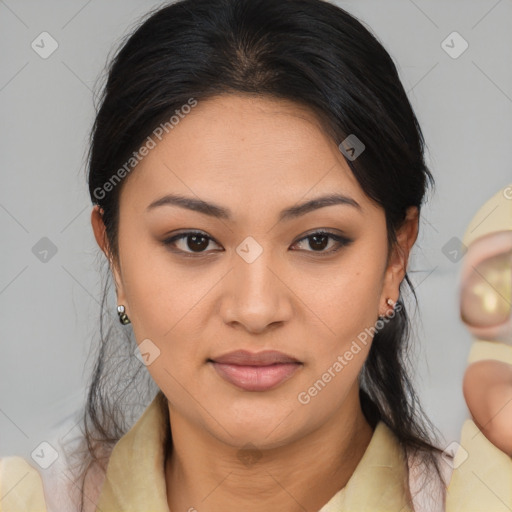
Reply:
x=397, y=265
x=98, y=227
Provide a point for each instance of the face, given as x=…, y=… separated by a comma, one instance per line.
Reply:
x=254, y=271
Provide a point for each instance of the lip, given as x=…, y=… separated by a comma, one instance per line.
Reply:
x=259, y=371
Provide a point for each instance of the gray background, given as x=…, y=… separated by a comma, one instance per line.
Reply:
x=49, y=310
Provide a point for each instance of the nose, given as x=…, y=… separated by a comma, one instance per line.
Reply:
x=256, y=295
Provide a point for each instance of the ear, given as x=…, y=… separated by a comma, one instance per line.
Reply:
x=398, y=258
x=98, y=227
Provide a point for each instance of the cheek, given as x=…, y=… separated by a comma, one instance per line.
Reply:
x=156, y=291
x=345, y=301
x=170, y=306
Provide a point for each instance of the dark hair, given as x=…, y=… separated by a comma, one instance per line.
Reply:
x=310, y=52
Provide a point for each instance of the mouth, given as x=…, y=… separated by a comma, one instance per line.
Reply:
x=259, y=371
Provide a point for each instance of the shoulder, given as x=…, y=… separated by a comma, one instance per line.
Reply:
x=21, y=486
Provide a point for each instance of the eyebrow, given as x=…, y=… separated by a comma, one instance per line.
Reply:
x=214, y=210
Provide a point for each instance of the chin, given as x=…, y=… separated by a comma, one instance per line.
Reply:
x=266, y=429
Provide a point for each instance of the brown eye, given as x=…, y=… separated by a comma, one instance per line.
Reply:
x=191, y=242
x=194, y=242
x=319, y=240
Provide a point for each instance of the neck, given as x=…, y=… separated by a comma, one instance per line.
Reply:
x=206, y=475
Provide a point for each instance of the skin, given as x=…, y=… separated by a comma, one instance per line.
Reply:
x=255, y=156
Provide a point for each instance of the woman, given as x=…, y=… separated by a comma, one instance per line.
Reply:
x=257, y=175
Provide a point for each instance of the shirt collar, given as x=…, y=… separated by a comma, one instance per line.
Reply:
x=135, y=478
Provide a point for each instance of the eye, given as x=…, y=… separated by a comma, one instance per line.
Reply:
x=320, y=239
x=196, y=241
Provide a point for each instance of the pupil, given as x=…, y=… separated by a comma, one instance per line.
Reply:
x=194, y=245
x=320, y=245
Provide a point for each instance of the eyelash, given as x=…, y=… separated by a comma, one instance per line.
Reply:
x=341, y=240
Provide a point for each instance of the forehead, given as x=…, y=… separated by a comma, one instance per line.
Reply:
x=246, y=150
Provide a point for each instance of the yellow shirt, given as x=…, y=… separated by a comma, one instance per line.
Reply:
x=135, y=479
x=137, y=490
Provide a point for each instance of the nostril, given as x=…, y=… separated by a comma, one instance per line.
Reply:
x=486, y=292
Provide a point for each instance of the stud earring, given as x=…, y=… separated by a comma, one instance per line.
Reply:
x=123, y=317
x=391, y=303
